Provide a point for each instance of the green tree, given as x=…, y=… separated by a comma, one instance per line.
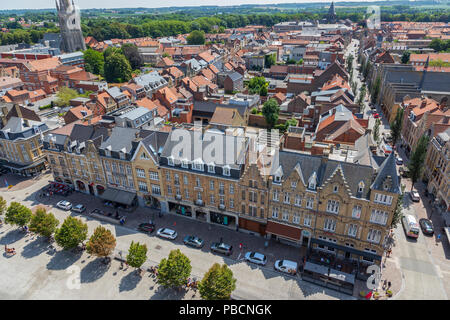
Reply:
x=196, y=37
x=101, y=243
x=396, y=126
x=110, y=51
x=72, y=232
x=137, y=254
x=398, y=214
x=269, y=60
x=94, y=61
x=376, y=130
x=175, y=270
x=270, y=111
x=43, y=223
x=291, y=61
x=3, y=206
x=376, y=89
x=117, y=68
x=64, y=95
x=258, y=85
x=405, y=56
x=218, y=283
x=415, y=165
x=349, y=62
x=18, y=214
x=131, y=52
x=300, y=62
x=362, y=94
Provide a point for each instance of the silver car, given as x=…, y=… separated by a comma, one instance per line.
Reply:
x=256, y=257
x=167, y=233
x=64, y=204
x=79, y=208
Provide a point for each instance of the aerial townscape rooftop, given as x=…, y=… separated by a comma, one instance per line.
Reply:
x=294, y=151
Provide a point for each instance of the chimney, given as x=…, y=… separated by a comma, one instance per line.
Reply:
x=424, y=103
x=18, y=110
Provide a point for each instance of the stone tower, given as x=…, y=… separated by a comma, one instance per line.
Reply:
x=331, y=17
x=70, y=26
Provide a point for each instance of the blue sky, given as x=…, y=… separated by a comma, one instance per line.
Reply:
x=87, y=4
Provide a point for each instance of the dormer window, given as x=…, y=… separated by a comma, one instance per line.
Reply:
x=226, y=171
x=184, y=164
x=312, y=182
x=170, y=161
x=108, y=152
x=277, y=179
x=360, y=187
x=198, y=165
x=211, y=168
x=294, y=184
x=122, y=155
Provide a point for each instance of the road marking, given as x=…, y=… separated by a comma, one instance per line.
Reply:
x=238, y=256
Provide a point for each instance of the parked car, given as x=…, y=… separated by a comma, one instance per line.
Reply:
x=414, y=196
x=167, y=233
x=222, y=248
x=146, y=227
x=79, y=208
x=256, y=257
x=286, y=266
x=193, y=241
x=399, y=161
x=426, y=226
x=64, y=204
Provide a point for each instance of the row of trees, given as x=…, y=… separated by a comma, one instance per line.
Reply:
x=173, y=272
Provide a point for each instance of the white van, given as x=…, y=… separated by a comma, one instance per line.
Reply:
x=286, y=266
x=410, y=226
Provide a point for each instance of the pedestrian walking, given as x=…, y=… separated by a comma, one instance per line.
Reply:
x=389, y=284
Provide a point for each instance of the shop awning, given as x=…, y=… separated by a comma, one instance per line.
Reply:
x=283, y=230
x=323, y=270
x=364, y=254
x=14, y=166
x=119, y=196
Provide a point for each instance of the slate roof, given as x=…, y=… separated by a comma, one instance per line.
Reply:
x=307, y=165
x=121, y=140
x=387, y=169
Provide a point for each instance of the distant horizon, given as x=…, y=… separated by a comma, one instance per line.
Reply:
x=146, y=4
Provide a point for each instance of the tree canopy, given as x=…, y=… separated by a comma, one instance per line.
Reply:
x=72, y=232
x=218, y=283
x=175, y=270
x=417, y=159
x=130, y=51
x=94, y=61
x=270, y=111
x=43, y=223
x=117, y=68
x=18, y=214
x=64, y=95
x=137, y=254
x=101, y=243
x=196, y=37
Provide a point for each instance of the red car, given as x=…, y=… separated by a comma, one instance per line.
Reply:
x=376, y=115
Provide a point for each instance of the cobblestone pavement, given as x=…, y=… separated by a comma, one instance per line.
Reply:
x=47, y=277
